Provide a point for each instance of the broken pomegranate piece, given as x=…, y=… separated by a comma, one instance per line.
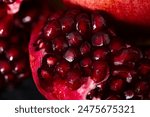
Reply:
x=74, y=56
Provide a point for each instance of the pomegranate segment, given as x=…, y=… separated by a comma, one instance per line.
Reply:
x=74, y=56
x=14, y=38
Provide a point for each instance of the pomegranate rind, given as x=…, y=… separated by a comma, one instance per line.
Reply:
x=62, y=91
x=36, y=57
x=135, y=12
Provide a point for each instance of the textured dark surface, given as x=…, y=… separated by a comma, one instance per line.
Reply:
x=26, y=91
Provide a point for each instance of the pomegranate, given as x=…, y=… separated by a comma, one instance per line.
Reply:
x=14, y=57
x=135, y=12
x=14, y=38
x=74, y=55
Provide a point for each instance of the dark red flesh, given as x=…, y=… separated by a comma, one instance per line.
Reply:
x=74, y=56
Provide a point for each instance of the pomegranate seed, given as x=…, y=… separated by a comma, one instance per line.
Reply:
x=3, y=46
x=59, y=44
x=83, y=26
x=100, y=53
x=63, y=67
x=46, y=75
x=117, y=85
x=100, y=39
x=100, y=71
x=19, y=66
x=98, y=22
x=86, y=62
x=74, y=39
x=4, y=66
x=125, y=73
x=70, y=55
x=5, y=26
x=41, y=44
x=51, y=30
x=50, y=60
x=85, y=48
x=127, y=55
x=12, y=53
x=116, y=45
x=67, y=24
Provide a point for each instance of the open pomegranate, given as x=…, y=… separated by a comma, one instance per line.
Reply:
x=74, y=55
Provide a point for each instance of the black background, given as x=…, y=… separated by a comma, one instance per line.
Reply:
x=26, y=91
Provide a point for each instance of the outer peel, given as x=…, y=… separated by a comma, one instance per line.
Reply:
x=135, y=12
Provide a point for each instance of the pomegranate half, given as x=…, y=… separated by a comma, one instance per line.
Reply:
x=74, y=55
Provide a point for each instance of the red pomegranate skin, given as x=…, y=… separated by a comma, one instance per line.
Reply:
x=134, y=12
x=35, y=58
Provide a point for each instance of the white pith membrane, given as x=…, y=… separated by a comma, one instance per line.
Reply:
x=14, y=7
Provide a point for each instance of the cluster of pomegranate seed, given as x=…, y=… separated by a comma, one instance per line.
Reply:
x=14, y=63
x=75, y=55
x=14, y=38
x=14, y=58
